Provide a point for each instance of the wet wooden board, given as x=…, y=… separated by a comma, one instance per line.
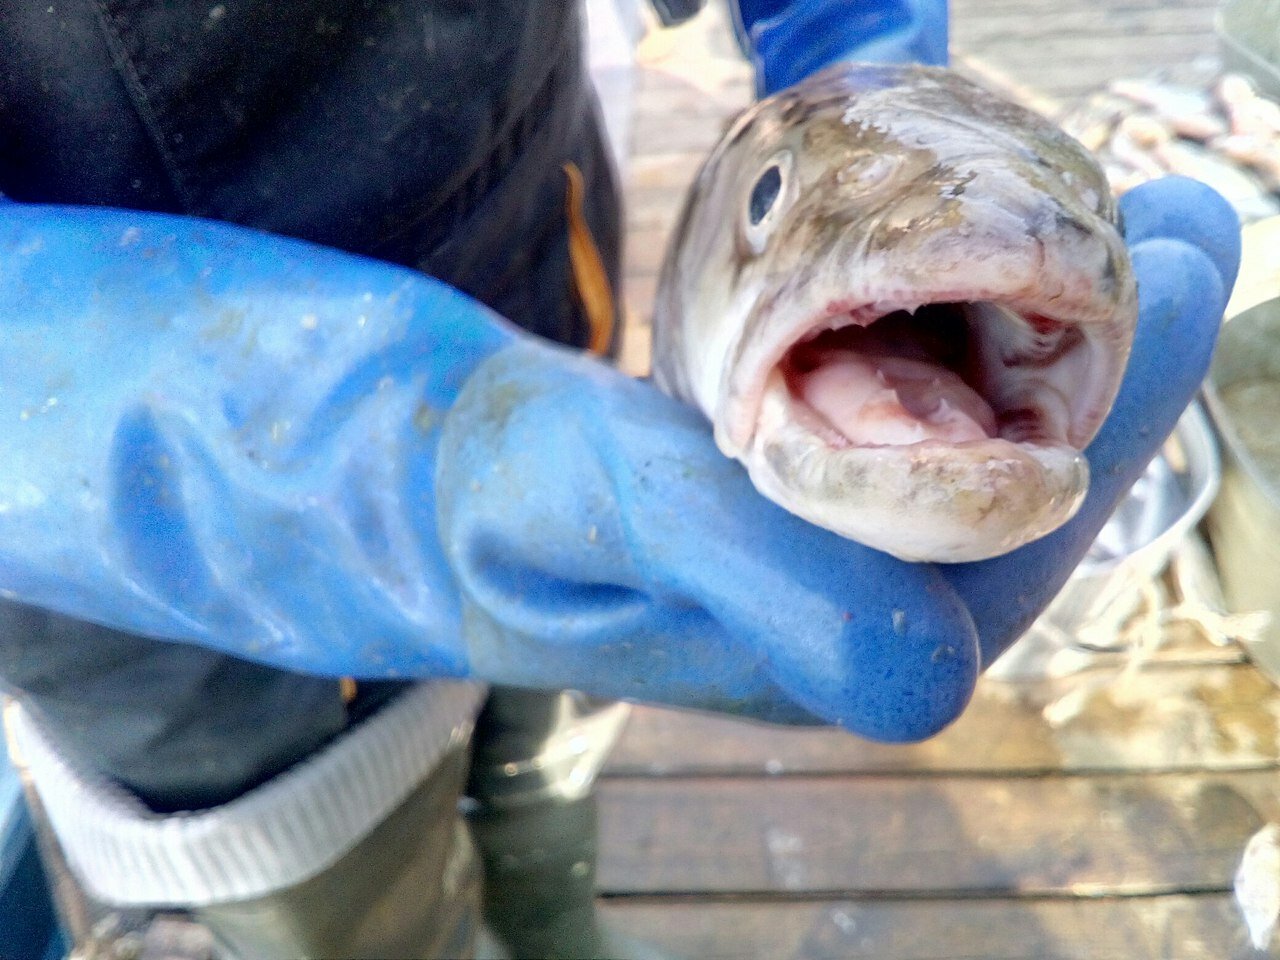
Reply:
x=1217, y=717
x=965, y=11
x=1063, y=51
x=1206, y=927
x=1118, y=835
x=1074, y=67
x=1071, y=23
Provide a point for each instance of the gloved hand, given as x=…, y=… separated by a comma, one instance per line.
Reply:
x=229, y=438
x=260, y=446
x=602, y=541
x=787, y=40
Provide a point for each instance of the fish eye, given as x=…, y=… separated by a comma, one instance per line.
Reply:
x=764, y=194
x=770, y=194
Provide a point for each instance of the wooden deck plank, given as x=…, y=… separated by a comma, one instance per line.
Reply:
x=1064, y=52
x=964, y=11
x=1065, y=67
x=1072, y=23
x=1068, y=835
x=677, y=133
x=679, y=97
x=1171, y=928
x=1221, y=717
x=661, y=173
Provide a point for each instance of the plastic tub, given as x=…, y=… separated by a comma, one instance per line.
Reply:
x=1243, y=395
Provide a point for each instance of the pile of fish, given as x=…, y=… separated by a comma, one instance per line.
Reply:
x=1214, y=127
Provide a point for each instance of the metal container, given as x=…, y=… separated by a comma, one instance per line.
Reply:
x=1112, y=582
x=1243, y=395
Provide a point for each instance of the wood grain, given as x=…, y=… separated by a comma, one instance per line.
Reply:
x=1065, y=51
x=1123, y=834
x=1217, y=717
x=1170, y=928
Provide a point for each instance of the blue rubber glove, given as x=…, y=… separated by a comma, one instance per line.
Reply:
x=259, y=446
x=1185, y=243
x=229, y=438
x=602, y=541
x=787, y=40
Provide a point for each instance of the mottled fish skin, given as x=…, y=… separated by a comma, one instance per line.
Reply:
x=898, y=187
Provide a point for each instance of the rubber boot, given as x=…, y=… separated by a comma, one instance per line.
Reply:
x=534, y=821
x=410, y=888
x=358, y=851
x=539, y=876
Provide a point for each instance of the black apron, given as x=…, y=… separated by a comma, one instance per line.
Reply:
x=428, y=133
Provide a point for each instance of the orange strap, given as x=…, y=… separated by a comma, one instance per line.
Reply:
x=590, y=280
x=347, y=689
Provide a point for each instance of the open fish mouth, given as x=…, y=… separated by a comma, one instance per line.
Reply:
x=950, y=430
x=957, y=372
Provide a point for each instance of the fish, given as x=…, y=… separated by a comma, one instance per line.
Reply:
x=1186, y=111
x=1257, y=885
x=1216, y=129
x=905, y=306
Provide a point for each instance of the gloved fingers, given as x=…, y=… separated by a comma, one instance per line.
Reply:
x=1179, y=208
x=789, y=41
x=602, y=541
x=1181, y=299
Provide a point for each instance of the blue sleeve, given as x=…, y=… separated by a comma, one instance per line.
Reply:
x=788, y=40
x=229, y=438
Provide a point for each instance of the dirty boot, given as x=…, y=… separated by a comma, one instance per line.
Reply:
x=533, y=817
x=358, y=851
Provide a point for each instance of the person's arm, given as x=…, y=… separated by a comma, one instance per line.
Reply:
x=229, y=438
x=332, y=465
x=787, y=40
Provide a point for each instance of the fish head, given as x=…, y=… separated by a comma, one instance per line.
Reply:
x=906, y=307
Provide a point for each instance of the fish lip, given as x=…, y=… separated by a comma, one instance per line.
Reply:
x=1107, y=332
x=999, y=493
x=926, y=502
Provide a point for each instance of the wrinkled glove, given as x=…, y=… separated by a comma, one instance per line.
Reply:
x=602, y=541
x=229, y=438
x=336, y=466
x=787, y=40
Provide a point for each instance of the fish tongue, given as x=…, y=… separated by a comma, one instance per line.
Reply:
x=886, y=399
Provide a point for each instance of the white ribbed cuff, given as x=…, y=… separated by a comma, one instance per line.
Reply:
x=274, y=837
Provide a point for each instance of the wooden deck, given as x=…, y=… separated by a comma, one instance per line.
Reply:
x=1100, y=816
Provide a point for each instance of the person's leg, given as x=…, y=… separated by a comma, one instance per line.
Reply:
x=357, y=851
x=535, y=761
